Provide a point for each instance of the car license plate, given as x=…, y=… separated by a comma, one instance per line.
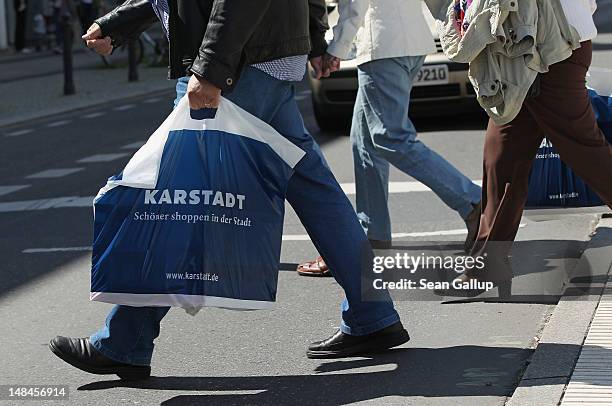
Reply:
x=432, y=75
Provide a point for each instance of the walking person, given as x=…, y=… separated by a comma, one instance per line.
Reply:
x=559, y=109
x=237, y=47
x=87, y=13
x=393, y=40
x=21, y=15
x=58, y=26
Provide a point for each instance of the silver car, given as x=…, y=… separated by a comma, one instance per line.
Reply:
x=441, y=87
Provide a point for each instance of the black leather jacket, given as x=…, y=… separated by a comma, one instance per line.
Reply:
x=214, y=39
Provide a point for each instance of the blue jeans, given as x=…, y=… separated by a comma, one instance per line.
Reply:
x=319, y=202
x=382, y=134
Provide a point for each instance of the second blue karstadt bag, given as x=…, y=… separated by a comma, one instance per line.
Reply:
x=554, y=184
x=196, y=217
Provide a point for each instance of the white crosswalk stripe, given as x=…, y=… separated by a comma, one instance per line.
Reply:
x=54, y=173
x=55, y=249
x=71, y=201
x=397, y=187
x=102, y=158
x=5, y=190
x=58, y=123
x=286, y=237
x=134, y=145
x=124, y=107
x=19, y=132
x=95, y=115
x=45, y=204
x=458, y=231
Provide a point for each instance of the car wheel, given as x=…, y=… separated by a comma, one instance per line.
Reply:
x=327, y=121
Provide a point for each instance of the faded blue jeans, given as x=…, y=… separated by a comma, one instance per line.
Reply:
x=382, y=134
x=319, y=202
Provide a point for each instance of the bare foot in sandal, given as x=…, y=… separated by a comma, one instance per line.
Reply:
x=313, y=268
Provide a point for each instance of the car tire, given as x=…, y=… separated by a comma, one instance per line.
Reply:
x=327, y=121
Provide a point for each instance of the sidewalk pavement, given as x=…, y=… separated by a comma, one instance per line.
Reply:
x=23, y=66
x=32, y=87
x=572, y=362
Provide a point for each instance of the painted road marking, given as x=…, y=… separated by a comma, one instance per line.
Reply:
x=54, y=173
x=71, y=201
x=459, y=231
x=58, y=249
x=134, y=145
x=290, y=237
x=19, y=132
x=102, y=158
x=94, y=115
x=58, y=123
x=5, y=190
x=124, y=107
x=44, y=204
x=152, y=100
x=397, y=187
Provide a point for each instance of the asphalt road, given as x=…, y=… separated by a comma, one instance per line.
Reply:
x=460, y=354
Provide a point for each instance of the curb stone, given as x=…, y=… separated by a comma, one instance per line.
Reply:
x=555, y=356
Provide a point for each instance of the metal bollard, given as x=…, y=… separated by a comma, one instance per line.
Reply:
x=67, y=54
x=132, y=61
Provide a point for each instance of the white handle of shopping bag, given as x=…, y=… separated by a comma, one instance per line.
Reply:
x=185, y=121
x=142, y=170
x=232, y=119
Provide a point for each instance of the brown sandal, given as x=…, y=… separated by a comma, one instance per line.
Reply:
x=314, y=268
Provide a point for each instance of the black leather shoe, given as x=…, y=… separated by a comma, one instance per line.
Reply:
x=343, y=345
x=79, y=353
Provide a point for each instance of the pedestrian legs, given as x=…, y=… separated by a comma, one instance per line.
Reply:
x=382, y=133
x=562, y=113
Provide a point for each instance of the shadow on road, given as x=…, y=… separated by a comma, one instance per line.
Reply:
x=598, y=46
x=468, y=122
x=542, y=271
x=476, y=121
x=430, y=372
x=460, y=371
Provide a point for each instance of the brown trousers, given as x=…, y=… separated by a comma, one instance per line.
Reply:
x=560, y=112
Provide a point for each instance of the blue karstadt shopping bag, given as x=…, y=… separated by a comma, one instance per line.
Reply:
x=554, y=184
x=196, y=217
